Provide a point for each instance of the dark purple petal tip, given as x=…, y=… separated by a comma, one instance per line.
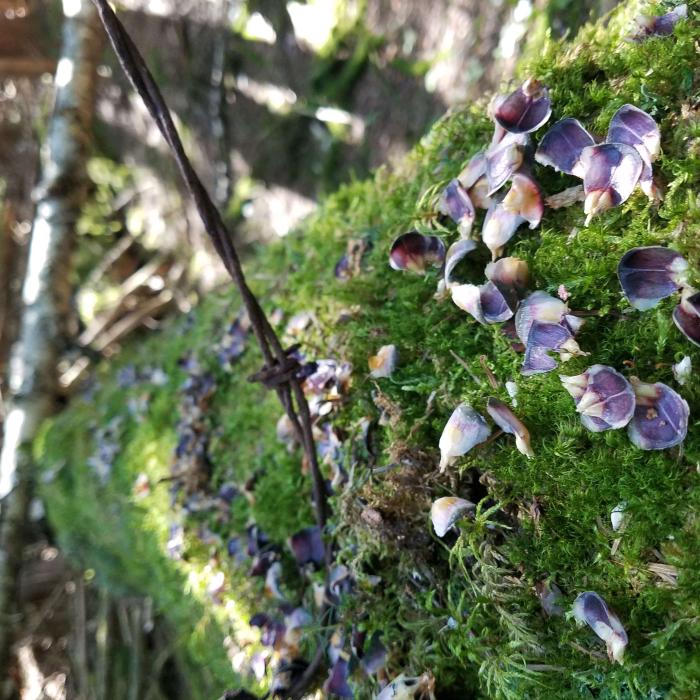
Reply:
x=603, y=397
x=562, y=145
x=650, y=274
x=610, y=174
x=660, y=417
x=686, y=315
x=415, y=252
x=662, y=25
x=307, y=546
x=590, y=609
x=524, y=110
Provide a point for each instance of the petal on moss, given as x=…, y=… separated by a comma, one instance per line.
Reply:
x=509, y=423
x=524, y=110
x=407, y=688
x=499, y=227
x=504, y=157
x=590, y=609
x=384, y=362
x=487, y=303
x=337, y=681
x=562, y=145
x=660, y=417
x=610, y=174
x=474, y=171
x=537, y=361
x=603, y=397
x=538, y=306
x=445, y=512
x=662, y=25
x=415, y=252
x=455, y=253
x=683, y=370
x=634, y=127
x=307, y=546
x=456, y=204
x=686, y=315
x=650, y=274
x=464, y=429
x=509, y=273
x=524, y=198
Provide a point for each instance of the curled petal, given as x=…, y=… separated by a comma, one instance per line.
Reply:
x=456, y=204
x=474, y=171
x=524, y=110
x=337, y=682
x=603, y=397
x=562, y=145
x=683, y=370
x=686, y=315
x=509, y=423
x=647, y=27
x=509, y=273
x=384, y=362
x=650, y=274
x=538, y=306
x=503, y=159
x=487, y=303
x=551, y=597
x=464, y=429
x=660, y=417
x=415, y=252
x=407, y=688
x=525, y=199
x=455, y=253
x=499, y=227
x=307, y=546
x=611, y=172
x=590, y=609
x=445, y=512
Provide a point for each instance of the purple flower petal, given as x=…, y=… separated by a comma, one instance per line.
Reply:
x=307, y=546
x=524, y=110
x=603, y=397
x=589, y=608
x=464, y=429
x=538, y=306
x=634, y=127
x=487, y=303
x=663, y=25
x=686, y=315
x=525, y=199
x=611, y=172
x=550, y=596
x=537, y=361
x=562, y=145
x=456, y=204
x=455, y=253
x=504, y=158
x=337, y=682
x=499, y=227
x=508, y=273
x=509, y=423
x=445, y=512
x=660, y=417
x=415, y=252
x=650, y=274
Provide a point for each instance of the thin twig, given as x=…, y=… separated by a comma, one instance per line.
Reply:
x=274, y=356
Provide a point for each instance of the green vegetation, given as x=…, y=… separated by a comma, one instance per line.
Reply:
x=465, y=610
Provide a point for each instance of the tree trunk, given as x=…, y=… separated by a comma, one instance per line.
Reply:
x=46, y=292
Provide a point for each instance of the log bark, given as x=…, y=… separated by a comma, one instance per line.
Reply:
x=45, y=293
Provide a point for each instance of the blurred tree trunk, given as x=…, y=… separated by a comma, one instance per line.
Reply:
x=45, y=293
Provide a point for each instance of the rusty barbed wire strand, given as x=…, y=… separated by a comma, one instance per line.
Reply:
x=278, y=369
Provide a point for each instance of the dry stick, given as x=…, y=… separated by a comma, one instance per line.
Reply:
x=274, y=355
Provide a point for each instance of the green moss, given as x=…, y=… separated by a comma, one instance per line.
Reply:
x=468, y=612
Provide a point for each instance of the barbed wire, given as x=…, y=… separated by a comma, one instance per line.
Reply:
x=279, y=371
